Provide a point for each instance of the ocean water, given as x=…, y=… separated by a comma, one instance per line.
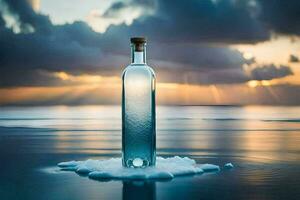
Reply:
x=263, y=143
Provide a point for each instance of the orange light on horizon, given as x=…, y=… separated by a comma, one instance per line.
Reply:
x=265, y=83
x=93, y=89
x=253, y=83
x=86, y=78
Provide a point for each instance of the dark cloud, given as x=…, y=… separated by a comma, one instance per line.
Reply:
x=56, y=51
x=116, y=8
x=2, y=22
x=70, y=47
x=25, y=77
x=269, y=72
x=293, y=59
x=197, y=21
x=26, y=16
x=75, y=47
x=198, y=77
x=223, y=75
x=202, y=57
x=188, y=41
x=281, y=16
x=225, y=21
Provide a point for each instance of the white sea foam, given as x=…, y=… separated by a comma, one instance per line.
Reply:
x=166, y=168
x=228, y=166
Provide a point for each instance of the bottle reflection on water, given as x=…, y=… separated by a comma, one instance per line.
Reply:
x=138, y=109
x=139, y=190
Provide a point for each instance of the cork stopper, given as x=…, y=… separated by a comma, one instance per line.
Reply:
x=139, y=43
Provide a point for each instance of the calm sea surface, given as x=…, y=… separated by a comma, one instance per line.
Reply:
x=262, y=142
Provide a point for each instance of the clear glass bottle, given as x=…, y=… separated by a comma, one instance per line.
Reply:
x=138, y=109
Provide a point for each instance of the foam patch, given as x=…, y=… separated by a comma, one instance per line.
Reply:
x=166, y=168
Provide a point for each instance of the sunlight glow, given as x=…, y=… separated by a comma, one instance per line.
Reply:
x=168, y=85
x=253, y=83
x=108, y=91
x=265, y=83
x=216, y=94
x=86, y=78
x=247, y=55
x=277, y=50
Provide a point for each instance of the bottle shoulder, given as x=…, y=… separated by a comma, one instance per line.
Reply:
x=138, y=68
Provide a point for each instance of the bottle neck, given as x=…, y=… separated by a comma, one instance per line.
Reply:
x=138, y=54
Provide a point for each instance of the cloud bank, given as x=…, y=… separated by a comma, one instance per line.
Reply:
x=188, y=41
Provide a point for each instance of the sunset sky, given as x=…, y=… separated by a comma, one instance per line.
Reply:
x=204, y=52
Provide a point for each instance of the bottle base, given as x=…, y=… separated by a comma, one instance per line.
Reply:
x=136, y=163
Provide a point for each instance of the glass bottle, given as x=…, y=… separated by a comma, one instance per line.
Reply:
x=138, y=109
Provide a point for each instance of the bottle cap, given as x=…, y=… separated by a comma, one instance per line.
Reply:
x=138, y=43
x=138, y=40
